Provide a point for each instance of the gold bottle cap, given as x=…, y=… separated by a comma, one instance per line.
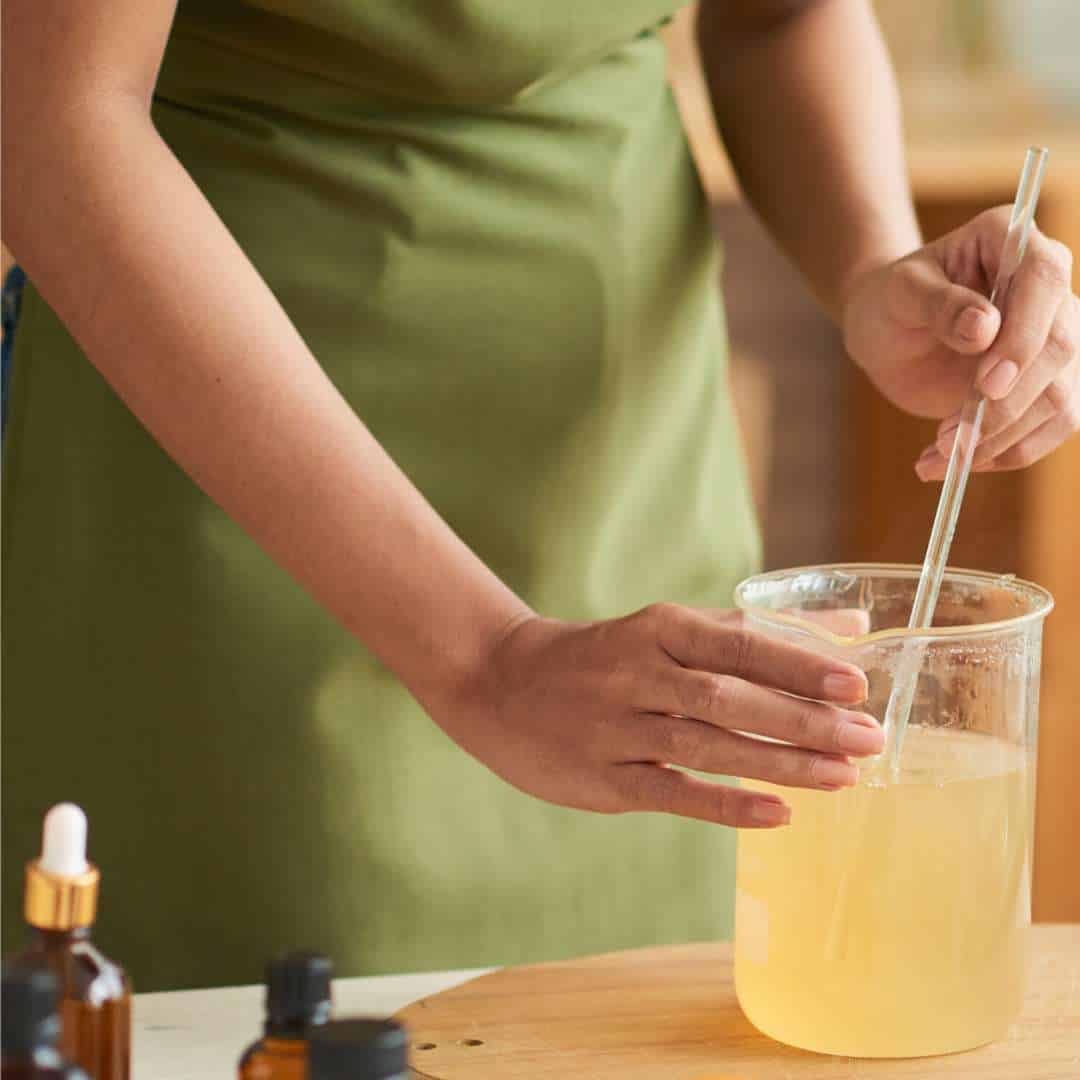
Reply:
x=61, y=886
x=60, y=902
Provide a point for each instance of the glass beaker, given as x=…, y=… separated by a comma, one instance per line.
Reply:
x=890, y=919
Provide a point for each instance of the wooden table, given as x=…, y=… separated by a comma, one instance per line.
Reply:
x=603, y=1017
x=199, y=1034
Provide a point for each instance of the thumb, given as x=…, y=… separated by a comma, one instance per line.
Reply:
x=923, y=298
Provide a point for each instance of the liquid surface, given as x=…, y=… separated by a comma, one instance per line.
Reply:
x=890, y=920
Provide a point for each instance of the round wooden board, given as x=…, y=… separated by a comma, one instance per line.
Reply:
x=670, y=1014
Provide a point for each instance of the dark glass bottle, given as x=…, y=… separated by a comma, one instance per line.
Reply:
x=31, y=1027
x=60, y=907
x=297, y=1001
x=359, y=1050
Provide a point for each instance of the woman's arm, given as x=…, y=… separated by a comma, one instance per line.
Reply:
x=178, y=321
x=585, y=715
x=807, y=105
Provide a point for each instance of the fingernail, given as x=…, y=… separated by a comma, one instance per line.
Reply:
x=860, y=739
x=949, y=425
x=930, y=452
x=834, y=774
x=842, y=686
x=998, y=380
x=968, y=322
x=768, y=812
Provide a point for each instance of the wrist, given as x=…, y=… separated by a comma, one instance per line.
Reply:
x=857, y=273
x=879, y=244
x=462, y=678
x=861, y=302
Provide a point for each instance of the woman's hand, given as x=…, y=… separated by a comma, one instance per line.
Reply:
x=923, y=330
x=593, y=715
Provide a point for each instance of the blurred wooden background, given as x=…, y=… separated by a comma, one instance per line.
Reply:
x=830, y=459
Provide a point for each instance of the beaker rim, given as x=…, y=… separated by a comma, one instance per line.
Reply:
x=1042, y=602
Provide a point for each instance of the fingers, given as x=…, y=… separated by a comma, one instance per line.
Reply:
x=1037, y=377
x=1038, y=290
x=997, y=444
x=1038, y=444
x=675, y=740
x=694, y=640
x=921, y=297
x=725, y=701
x=1028, y=442
x=1044, y=400
x=1045, y=392
x=668, y=791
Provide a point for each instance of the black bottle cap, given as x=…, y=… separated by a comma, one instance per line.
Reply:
x=297, y=991
x=358, y=1050
x=28, y=1018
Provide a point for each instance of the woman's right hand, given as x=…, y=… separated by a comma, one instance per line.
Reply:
x=593, y=715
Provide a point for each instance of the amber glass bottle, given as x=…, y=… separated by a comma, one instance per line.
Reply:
x=94, y=995
x=297, y=1000
x=31, y=1027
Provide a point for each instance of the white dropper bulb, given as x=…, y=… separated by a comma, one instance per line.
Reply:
x=63, y=841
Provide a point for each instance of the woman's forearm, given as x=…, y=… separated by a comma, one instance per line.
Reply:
x=213, y=367
x=807, y=104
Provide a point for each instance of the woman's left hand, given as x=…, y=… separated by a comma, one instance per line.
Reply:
x=923, y=330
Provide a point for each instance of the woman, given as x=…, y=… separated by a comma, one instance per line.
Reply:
x=405, y=406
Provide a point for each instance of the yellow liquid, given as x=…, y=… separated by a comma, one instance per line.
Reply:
x=890, y=920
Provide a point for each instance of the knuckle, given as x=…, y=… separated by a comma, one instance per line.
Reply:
x=1063, y=255
x=803, y=725
x=1024, y=454
x=1003, y=414
x=637, y=788
x=1061, y=344
x=1025, y=342
x=817, y=769
x=835, y=729
x=986, y=451
x=1059, y=393
x=1070, y=413
x=727, y=805
x=727, y=691
x=724, y=804
x=789, y=766
x=704, y=697
x=738, y=755
x=669, y=743
x=660, y=612
x=951, y=302
x=993, y=422
x=740, y=650
x=1053, y=266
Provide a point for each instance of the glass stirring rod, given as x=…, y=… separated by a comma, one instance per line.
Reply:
x=956, y=475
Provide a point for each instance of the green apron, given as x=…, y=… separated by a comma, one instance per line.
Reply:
x=485, y=221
